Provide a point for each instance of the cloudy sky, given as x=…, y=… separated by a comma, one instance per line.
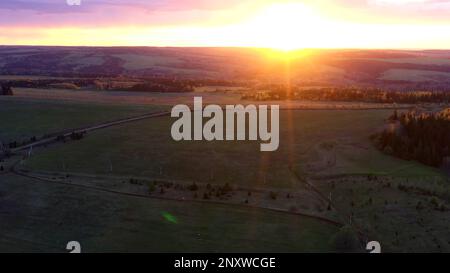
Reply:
x=284, y=24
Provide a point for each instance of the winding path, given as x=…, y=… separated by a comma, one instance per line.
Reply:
x=52, y=138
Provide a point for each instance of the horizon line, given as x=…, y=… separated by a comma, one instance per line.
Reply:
x=228, y=47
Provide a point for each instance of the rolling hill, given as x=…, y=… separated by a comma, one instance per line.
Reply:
x=391, y=68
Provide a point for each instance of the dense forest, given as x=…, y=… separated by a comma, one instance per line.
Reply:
x=424, y=137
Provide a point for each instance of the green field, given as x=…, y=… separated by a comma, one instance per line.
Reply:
x=22, y=119
x=395, y=212
x=46, y=216
x=329, y=148
x=146, y=149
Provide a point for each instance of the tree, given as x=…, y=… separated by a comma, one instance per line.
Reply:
x=193, y=187
x=424, y=137
x=6, y=90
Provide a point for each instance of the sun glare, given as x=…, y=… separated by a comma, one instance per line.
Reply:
x=286, y=26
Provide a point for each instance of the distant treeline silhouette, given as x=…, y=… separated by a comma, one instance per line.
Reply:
x=350, y=94
x=148, y=84
x=424, y=137
x=5, y=90
x=165, y=86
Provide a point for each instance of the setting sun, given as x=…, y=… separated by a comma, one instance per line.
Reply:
x=285, y=26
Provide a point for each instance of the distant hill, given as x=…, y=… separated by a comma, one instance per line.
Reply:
x=391, y=68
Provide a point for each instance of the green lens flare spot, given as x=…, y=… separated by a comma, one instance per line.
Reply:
x=169, y=217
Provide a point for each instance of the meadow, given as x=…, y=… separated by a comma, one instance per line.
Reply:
x=24, y=118
x=414, y=75
x=312, y=143
x=406, y=215
x=330, y=149
x=47, y=216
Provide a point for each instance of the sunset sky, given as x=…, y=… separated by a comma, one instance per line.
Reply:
x=260, y=23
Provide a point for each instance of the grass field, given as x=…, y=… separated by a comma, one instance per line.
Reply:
x=414, y=75
x=330, y=148
x=417, y=60
x=146, y=149
x=136, y=62
x=394, y=212
x=22, y=119
x=46, y=216
x=43, y=217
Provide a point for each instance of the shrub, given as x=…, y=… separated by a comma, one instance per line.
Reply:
x=419, y=206
x=193, y=187
x=151, y=188
x=227, y=188
x=273, y=195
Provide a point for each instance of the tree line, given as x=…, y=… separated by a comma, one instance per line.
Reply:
x=424, y=137
x=349, y=94
x=122, y=83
